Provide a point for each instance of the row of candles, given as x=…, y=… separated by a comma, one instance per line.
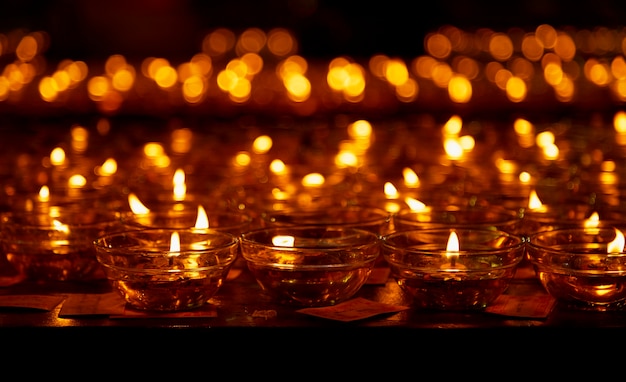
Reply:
x=421, y=170
x=259, y=70
x=422, y=179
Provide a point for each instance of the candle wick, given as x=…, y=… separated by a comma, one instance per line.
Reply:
x=453, y=261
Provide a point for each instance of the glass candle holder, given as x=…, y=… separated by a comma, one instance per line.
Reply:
x=56, y=244
x=581, y=267
x=485, y=217
x=469, y=276
x=310, y=265
x=167, y=269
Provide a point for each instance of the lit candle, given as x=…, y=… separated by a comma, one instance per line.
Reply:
x=452, y=254
x=453, y=279
x=582, y=267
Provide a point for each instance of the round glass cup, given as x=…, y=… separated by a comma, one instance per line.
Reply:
x=55, y=245
x=579, y=268
x=152, y=275
x=438, y=278
x=483, y=217
x=310, y=265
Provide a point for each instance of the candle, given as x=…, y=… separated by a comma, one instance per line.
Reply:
x=470, y=272
x=167, y=269
x=310, y=265
x=56, y=244
x=582, y=267
x=452, y=254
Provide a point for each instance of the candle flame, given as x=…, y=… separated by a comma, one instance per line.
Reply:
x=452, y=248
x=44, y=194
x=414, y=204
x=60, y=226
x=617, y=245
x=202, y=221
x=136, y=206
x=180, y=189
x=313, y=180
x=410, y=177
x=283, y=241
x=592, y=221
x=534, y=203
x=175, y=242
x=391, y=192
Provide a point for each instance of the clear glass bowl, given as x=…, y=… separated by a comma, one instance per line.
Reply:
x=310, y=265
x=574, y=266
x=56, y=244
x=436, y=277
x=150, y=274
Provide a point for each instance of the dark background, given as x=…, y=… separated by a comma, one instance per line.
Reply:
x=324, y=28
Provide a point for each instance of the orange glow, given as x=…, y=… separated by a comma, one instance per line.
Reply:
x=313, y=180
x=453, y=244
x=396, y=72
x=218, y=42
x=438, y=45
x=441, y=74
x=414, y=204
x=278, y=167
x=617, y=245
x=283, y=241
x=453, y=148
x=460, y=89
x=391, y=192
x=619, y=122
x=592, y=221
x=298, y=87
x=109, y=167
x=534, y=203
x=346, y=77
x=597, y=72
x=57, y=156
x=408, y=91
x=546, y=36
x=178, y=182
x=98, y=87
x=532, y=48
x=410, y=177
x=565, y=47
x=76, y=181
x=202, y=220
x=175, y=242
x=27, y=48
x=251, y=40
x=424, y=66
x=262, y=144
x=44, y=194
x=242, y=159
x=194, y=87
x=281, y=43
x=453, y=126
x=516, y=89
x=166, y=76
x=136, y=206
x=253, y=63
x=360, y=129
x=501, y=46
